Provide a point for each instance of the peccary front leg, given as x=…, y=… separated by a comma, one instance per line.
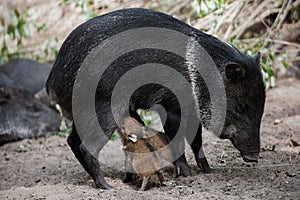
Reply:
x=197, y=148
x=182, y=167
x=87, y=160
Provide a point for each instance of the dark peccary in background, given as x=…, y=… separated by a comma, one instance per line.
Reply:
x=241, y=75
x=24, y=102
x=23, y=116
x=139, y=140
x=25, y=74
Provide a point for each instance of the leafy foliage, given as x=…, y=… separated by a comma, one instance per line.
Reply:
x=86, y=6
x=231, y=20
x=147, y=116
x=252, y=26
x=63, y=131
x=20, y=28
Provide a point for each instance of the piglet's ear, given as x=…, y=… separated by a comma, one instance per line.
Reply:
x=234, y=72
x=132, y=126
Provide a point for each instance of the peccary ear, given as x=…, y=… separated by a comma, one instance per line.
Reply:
x=234, y=71
x=257, y=58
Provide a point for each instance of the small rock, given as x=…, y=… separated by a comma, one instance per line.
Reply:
x=277, y=121
x=291, y=174
x=22, y=149
x=294, y=143
x=6, y=157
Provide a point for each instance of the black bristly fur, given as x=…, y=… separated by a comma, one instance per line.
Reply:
x=241, y=128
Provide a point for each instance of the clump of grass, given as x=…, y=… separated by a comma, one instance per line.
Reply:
x=64, y=130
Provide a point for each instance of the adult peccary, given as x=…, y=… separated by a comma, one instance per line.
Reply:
x=241, y=76
x=23, y=116
x=142, y=146
x=25, y=74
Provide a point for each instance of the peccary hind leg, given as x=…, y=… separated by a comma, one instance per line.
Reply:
x=197, y=148
x=182, y=167
x=86, y=159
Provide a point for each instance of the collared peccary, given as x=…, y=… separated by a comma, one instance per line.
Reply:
x=25, y=74
x=241, y=75
x=23, y=116
x=142, y=147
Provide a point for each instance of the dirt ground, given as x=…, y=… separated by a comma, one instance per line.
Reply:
x=45, y=168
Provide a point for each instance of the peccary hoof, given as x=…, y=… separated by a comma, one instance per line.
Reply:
x=203, y=165
x=103, y=184
x=182, y=168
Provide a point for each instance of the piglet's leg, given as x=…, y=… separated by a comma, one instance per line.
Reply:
x=128, y=177
x=160, y=177
x=144, y=183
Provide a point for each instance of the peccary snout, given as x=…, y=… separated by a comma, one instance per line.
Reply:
x=248, y=147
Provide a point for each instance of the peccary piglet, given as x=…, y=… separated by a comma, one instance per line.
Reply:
x=143, y=150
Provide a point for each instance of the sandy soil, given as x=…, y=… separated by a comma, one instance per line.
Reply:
x=45, y=168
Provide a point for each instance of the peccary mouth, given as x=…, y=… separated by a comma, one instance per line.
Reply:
x=250, y=157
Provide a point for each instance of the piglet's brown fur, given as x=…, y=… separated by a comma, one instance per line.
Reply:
x=143, y=150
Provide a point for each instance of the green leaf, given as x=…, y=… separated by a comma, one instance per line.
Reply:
x=115, y=136
x=41, y=27
x=16, y=13
x=11, y=30
x=147, y=116
x=170, y=182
